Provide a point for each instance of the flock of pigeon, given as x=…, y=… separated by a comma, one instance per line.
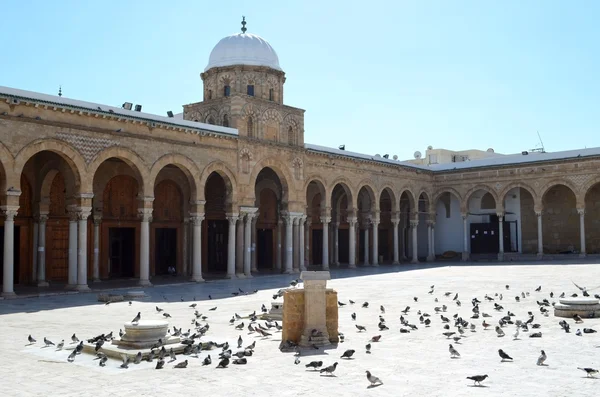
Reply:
x=453, y=327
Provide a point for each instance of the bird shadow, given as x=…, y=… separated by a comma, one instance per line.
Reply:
x=329, y=376
x=589, y=377
x=374, y=386
x=455, y=358
x=477, y=386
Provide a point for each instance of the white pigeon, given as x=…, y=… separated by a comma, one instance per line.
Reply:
x=516, y=334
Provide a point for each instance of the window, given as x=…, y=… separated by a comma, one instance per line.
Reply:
x=210, y=120
x=225, y=121
x=227, y=90
x=271, y=94
x=291, y=136
x=250, y=89
x=433, y=159
x=209, y=94
x=250, y=127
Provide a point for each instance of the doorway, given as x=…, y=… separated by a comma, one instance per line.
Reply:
x=121, y=251
x=217, y=246
x=343, y=245
x=317, y=246
x=165, y=250
x=264, y=245
x=16, y=253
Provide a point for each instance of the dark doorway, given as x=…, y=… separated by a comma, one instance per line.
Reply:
x=264, y=245
x=384, y=246
x=343, y=245
x=484, y=237
x=165, y=249
x=317, y=246
x=121, y=251
x=16, y=253
x=361, y=245
x=217, y=246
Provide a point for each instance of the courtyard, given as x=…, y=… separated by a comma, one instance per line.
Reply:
x=416, y=363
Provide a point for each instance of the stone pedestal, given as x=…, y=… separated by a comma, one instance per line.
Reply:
x=584, y=307
x=143, y=334
x=311, y=308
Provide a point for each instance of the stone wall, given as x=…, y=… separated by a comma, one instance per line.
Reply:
x=529, y=237
x=592, y=221
x=560, y=221
x=293, y=315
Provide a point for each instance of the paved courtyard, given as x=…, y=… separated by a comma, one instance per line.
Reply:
x=412, y=364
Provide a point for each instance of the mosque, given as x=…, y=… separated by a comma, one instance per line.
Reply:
x=229, y=188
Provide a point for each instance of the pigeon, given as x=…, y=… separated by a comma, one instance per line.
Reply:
x=297, y=360
x=348, y=353
x=360, y=328
x=240, y=361
x=103, y=361
x=373, y=379
x=223, y=363
x=382, y=309
x=353, y=315
x=60, y=345
x=136, y=319
x=591, y=372
x=240, y=325
x=74, y=339
x=589, y=331
x=516, y=334
x=207, y=360
x=314, y=365
x=453, y=352
x=125, y=361
x=166, y=315
x=48, y=342
x=499, y=332
x=329, y=370
x=172, y=354
x=71, y=357
x=376, y=338
x=477, y=379
x=341, y=304
x=182, y=364
x=577, y=318
x=193, y=305
x=212, y=309
x=503, y=355
x=351, y=301
x=160, y=364
x=448, y=334
x=240, y=341
x=366, y=304
x=158, y=309
x=542, y=358
x=368, y=347
x=138, y=358
x=31, y=340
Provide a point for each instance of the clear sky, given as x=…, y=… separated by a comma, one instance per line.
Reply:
x=378, y=76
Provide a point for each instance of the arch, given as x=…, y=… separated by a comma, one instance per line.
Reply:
x=393, y=199
x=347, y=186
x=225, y=172
x=71, y=156
x=409, y=194
x=564, y=182
x=128, y=156
x=438, y=194
x=514, y=185
x=428, y=203
x=282, y=172
x=168, y=202
x=370, y=189
x=321, y=185
x=488, y=189
x=185, y=164
x=588, y=186
x=6, y=164
x=46, y=184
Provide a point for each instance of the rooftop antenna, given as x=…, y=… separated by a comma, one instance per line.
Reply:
x=59, y=90
x=541, y=143
x=244, y=24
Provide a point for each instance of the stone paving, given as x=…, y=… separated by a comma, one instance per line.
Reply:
x=415, y=364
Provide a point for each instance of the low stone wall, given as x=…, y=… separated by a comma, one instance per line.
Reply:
x=293, y=315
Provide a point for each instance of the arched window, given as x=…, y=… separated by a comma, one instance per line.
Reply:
x=291, y=136
x=210, y=120
x=209, y=94
x=271, y=94
x=227, y=90
x=250, y=128
x=250, y=89
x=225, y=121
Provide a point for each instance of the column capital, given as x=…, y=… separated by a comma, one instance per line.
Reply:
x=539, y=213
x=581, y=211
x=325, y=219
x=10, y=211
x=83, y=213
x=97, y=220
x=464, y=215
x=146, y=202
x=41, y=217
x=145, y=214
x=352, y=220
x=196, y=218
x=430, y=222
x=414, y=223
x=232, y=218
x=500, y=214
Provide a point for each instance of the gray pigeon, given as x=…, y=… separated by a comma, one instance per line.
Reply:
x=48, y=342
x=453, y=352
x=542, y=358
x=138, y=358
x=330, y=369
x=60, y=345
x=125, y=361
x=477, y=379
x=31, y=340
x=223, y=363
x=71, y=357
x=160, y=364
x=137, y=318
x=182, y=364
x=240, y=341
x=348, y=353
x=373, y=379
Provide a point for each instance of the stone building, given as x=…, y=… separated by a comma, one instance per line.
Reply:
x=228, y=188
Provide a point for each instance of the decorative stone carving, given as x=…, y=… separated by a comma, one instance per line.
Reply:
x=245, y=159
x=89, y=147
x=297, y=164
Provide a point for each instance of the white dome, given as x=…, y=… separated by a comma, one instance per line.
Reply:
x=243, y=49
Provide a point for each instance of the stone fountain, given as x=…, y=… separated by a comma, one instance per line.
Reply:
x=585, y=307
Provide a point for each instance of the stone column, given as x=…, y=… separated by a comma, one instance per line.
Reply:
x=334, y=243
x=186, y=242
x=395, y=223
x=352, y=243
x=72, y=278
x=307, y=241
x=96, y=263
x=315, y=305
x=366, y=251
x=296, y=245
x=325, y=221
x=289, y=221
x=196, y=219
x=279, y=242
x=232, y=218
x=8, y=290
x=41, y=254
x=145, y=215
x=82, y=215
x=239, y=257
x=301, y=245
x=248, y=245
x=581, y=212
x=433, y=241
x=501, y=236
x=465, y=254
x=540, y=250
x=375, y=223
x=430, y=250
x=253, y=246
x=36, y=228
x=415, y=253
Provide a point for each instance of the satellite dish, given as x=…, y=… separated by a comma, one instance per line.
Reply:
x=490, y=150
x=377, y=155
x=417, y=154
x=395, y=157
x=429, y=147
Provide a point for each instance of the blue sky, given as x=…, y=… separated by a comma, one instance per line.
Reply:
x=393, y=77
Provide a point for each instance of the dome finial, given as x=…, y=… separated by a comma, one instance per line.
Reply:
x=59, y=90
x=244, y=24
